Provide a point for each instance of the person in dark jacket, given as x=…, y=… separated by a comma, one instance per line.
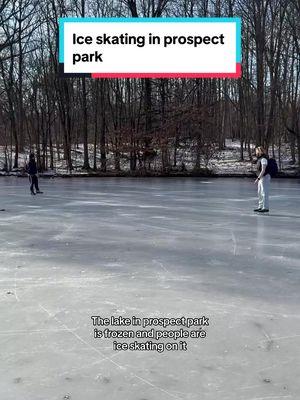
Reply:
x=32, y=173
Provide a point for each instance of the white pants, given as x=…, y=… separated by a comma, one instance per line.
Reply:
x=263, y=191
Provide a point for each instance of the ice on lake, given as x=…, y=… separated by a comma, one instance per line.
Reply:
x=149, y=248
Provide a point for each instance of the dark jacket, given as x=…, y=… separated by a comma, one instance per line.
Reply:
x=32, y=168
x=258, y=164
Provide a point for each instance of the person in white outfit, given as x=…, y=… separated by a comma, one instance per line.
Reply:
x=263, y=180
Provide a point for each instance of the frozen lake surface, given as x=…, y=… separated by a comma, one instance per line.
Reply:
x=149, y=248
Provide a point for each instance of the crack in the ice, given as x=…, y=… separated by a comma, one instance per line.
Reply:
x=161, y=265
x=15, y=284
x=281, y=338
x=234, y=242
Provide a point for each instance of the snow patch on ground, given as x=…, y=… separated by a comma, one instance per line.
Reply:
x=224, y=162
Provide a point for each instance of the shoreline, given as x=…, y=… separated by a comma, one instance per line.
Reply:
x=281, y=175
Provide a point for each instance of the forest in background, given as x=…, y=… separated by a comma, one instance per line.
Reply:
x=137, y=121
